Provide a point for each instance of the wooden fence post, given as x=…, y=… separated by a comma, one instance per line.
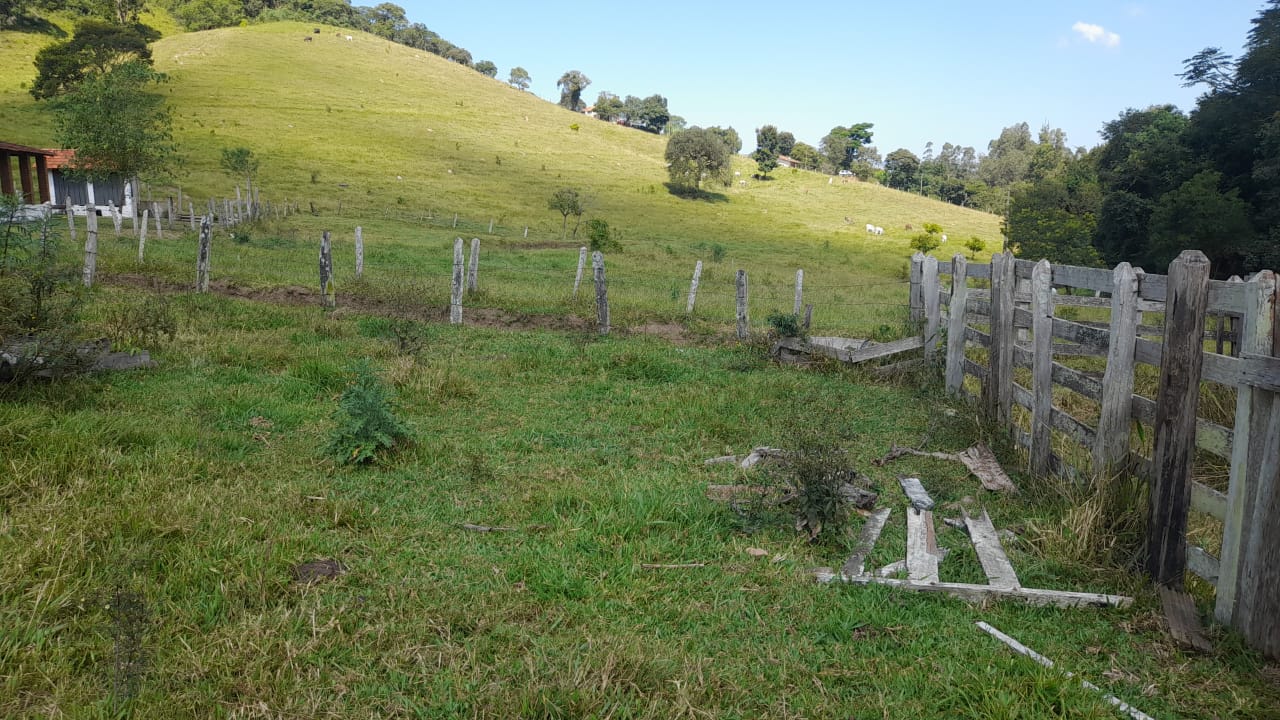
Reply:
x=932, y=310
x=956, y=323
x=1181, y=359
x=159, y=230
x=602, y=293
x=693, y=287
x=1021, y=288
x=799, y=294
x=455, y=290
x=1254, y=408
x=916, y=300
x=142, y=234
x=577, y=279
x=117, y=219
x=202, y=259
x=326, y=271
x=473, y=266
x=71, y=220
x=1111, y=446
x=997, y=392
x=744, y=321
x=90, y=247
x=1042, y=367
x=359, y=252
x=490, y=226
x=191, y=208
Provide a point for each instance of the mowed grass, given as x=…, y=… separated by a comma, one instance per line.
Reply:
x=202, y=484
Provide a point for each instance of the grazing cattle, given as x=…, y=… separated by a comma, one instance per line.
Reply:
x=944, y=237
x=871, y=228
x=306, y=39
x=349, y=38
x=879, y=230
x=907, y=226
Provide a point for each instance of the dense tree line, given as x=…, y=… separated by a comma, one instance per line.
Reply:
x=649, y=114
x=1164, y=181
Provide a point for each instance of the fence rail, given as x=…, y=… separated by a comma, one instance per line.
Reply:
x=1015, y=322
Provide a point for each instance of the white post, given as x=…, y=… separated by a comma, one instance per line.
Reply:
x=577, y=280
x=799, y=293
x=455, y=294
x=90, y=247
x=142, y=234
x=473, y=266
x=693, y=286
x=359, y=252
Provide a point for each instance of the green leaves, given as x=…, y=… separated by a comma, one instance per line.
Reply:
x=366, y=425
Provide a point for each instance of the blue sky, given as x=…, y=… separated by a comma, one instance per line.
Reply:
x=923, y=71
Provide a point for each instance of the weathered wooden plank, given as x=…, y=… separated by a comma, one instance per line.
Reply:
x=922, y=560
x=1207, y=500
x=847, y=354
x=1177, y=403
x=1111, y=447
x=1202, y=564
x=916, y=493
x=1258, y=610
x=1259, y=371
x=974, y=335
x=1253, y=409
x=980, y=593
x=1097, y=279
x=956, y=330
x=986, y=543
x=976, y=370
x=1184, y=621
x=1083, y=334
x=929, y=281
x=577, y=279
x=1216, y=368
x=1042, y=368
x=871, y=529
x=916, y=295
x=997, y=393
x=1210, y=436
x=980, y=271
x=455, y=287
x=1059, y=419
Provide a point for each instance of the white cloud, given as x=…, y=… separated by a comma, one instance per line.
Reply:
x=1096, y=34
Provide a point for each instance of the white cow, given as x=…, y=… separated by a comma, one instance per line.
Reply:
x=871, y=228
x=879, y=230
x=944, y=237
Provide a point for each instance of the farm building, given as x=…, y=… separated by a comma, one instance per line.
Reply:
x=43, y=179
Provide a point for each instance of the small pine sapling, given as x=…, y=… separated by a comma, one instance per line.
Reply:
x=366, y=425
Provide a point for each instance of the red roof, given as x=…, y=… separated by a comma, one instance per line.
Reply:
x=59, y=158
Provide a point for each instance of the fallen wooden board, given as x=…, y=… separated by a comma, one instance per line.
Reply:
x=1021, y=649
x=916, y=493
x=977, y=593
x=978, y=459
x=852, y=357
x=871, y=529
x=922, y=547
x=1184, y=621
x=996, y=565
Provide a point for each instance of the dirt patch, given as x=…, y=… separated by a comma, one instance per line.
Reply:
x=317, y=570
x=671, y=332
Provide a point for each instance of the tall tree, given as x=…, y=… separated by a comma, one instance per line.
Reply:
x=486, y=67
x=566, y=201
x=96, y=47
x=729, y=137
x=571, y=85
x=900, y=169
x=843, y=145
x=696, y=154
x=116, y=124
x=608, y=106
x=519, y=78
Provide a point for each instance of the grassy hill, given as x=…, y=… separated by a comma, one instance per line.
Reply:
x=388, y=134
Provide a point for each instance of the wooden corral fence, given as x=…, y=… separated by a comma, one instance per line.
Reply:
x=1008, y=308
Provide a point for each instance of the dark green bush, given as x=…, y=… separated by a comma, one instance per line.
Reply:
x=366, y=424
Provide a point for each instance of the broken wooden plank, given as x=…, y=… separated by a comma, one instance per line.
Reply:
x=916, y=493
x=846, y=354
x=1021, y=649
x=1203, y=564
x=979, y=593
x=892, y=568
x=485, y=528
x=722, y=459
x=984, y=465
x=855, y=565
x=1184, y=621
x=995, y=563
x=757, y=454
x=922, y=558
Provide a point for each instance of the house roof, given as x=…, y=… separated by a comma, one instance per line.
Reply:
x=59, y=158
x=23, y=149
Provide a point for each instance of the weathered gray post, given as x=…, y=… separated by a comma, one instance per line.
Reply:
x=1111, y=446
x=71, y=220
x=142, y=234
x=455, y=220
x=359, y=252
x=808, y=316
x=202, y=257
x=117, y=219
x=1181, y=359
x=490, y=226
x=473, y=266
x=602, y=293
x=997, y=391
x=916, y=295
x=1042, y=367
x=329, y=297
x=90, y=247
x=577, y=280
x=932, y=309
x=956, y=323
x=455, y=290
x=168, y=214
x=693, y=286
x=526, y=231
x=159, y=230
x=800, y=293
x=1253, y=483
x=191, y=208
x=744, y=322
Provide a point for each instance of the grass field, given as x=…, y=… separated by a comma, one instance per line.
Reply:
x=201, y=486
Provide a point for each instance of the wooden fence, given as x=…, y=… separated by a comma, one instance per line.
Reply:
x=1009, y=309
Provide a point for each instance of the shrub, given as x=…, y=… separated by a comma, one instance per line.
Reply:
x=366, y=425
x=925, y=242
x=601, y=236
x=139, y=324
x=933, y=228
x=975, y=245
x=786, y=325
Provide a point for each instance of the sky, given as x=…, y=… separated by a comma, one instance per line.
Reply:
x=953, y=72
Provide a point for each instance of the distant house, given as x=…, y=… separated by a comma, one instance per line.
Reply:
x=788, y=161
x=84, y=194
x=42, y=179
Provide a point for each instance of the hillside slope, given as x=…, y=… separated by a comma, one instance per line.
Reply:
x=379, y=125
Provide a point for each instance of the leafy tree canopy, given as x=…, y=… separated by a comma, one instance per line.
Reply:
x=843, y=145
x=486, y=67
x=520, y=78
x=571, y=85
x=96, y=47
x=696, y=154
